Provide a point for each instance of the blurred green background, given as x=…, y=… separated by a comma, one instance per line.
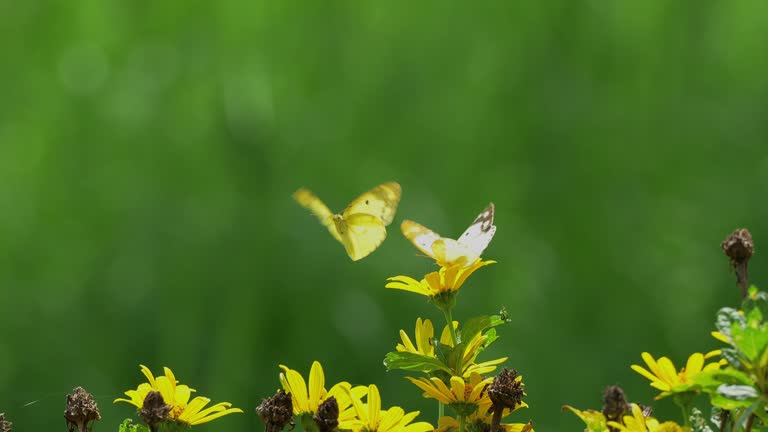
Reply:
x=148, y=152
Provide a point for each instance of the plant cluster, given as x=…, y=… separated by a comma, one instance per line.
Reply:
x=732, y=379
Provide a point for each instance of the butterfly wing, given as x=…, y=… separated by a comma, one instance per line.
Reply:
x=318, y=208
x=380, y=201
x=479, y=234
x=361, y=234
x=421, y=237
x=448, y=252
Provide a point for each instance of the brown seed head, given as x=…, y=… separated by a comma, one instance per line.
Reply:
x=81, y=410
x=277, y=411
x=5, y=426
x=327, y=415
x=614, y=404
x=154, y=410
x=506, y=391
x=738, y=246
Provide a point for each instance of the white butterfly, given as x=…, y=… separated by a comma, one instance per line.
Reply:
x=466, y=250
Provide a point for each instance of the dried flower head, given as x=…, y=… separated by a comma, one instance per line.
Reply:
x=739, y=248
x=81, y=410
x=615, y=404
x=154, y=410
x=276, y=411
x=327, y=416
x=506, y=391
x=5, y=426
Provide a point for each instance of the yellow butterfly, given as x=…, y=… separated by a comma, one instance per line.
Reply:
x=360, y=227
x=446, y=251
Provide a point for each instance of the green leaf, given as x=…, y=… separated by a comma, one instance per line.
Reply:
x=594, y=420
x=750, y=340
x=725, y=403
x=442, y=351
x=129, y=426
x=491, y=338
x=726, y=317
x=756, y=300
x=733, y=357
x=715, y=378
x=737, y=391
x=412, y=362
x=476, y=325
x=456, y=358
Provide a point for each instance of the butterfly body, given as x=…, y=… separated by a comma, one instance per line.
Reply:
x=361, y=226
x=446, y=251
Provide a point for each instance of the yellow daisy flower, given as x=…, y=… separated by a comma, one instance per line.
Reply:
x=177, y=397
x=483, y=417
x=369, y=417
x=666, y=378
x=639, y=423
x=425, y=333
x=632, y=423
x=446, y=280
x=460, y=392
x=471, y=352
x=307, y=399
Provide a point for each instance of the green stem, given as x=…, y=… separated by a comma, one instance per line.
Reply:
x=449, y=319
x=461, y=423
x=751, y=420
x=440, y=410
x=686, y=415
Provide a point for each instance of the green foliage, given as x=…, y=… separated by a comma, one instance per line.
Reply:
x=413, y=362
x=448, y=359
x=129, y=426
x=750, y=338
x=476, y=325
x=149, y=150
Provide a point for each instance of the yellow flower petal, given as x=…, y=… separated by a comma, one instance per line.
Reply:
x=390, y=418
x=295, y=384
x=721, y=337
x=374, y=405
x=407, y=345
x=642, y=371
x=694, y=364
x=667, y=371
x=457, y=388
x=424, y=333
x=316, y=385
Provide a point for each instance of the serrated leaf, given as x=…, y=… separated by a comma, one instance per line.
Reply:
x=725, y=403
x=737, y=391
x=750, y=341
x=718, y=377
x=732, y=356
x=413, y=362
x=754, y=317
x=725, y=319
x=756, y=300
